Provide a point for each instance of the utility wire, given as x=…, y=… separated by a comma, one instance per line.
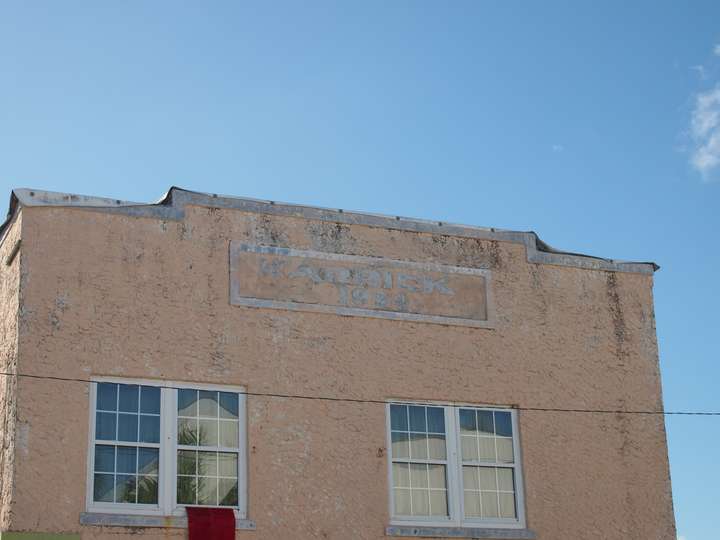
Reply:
x=385, y=402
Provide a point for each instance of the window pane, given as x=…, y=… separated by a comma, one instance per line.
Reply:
x=229, y=433
x=104, y=458
x=398, y=417
x=469, y=448
x=187, y=402
x=436, y=445
x=420, y=502
x=208, y=431
x=107, y=397
x=186, y=490
x=417, y=419
x=128, y=427
x=105, y=426
x=148, y=460
x=129, y=397
x=437, y=476
x=489, y=504
x=227, y=464
x=401, y=475
x=187, y=462
x=485, y=422
x=228, y=405
x=470, y=478
x=488, y=482
x=124, y=488
x=418, y=446
x=103, y=488
x=207, y=463
x=505, y=479
x=402, y=502
x=208, y=404
x=126, y=459
x=187, y=431
x=507, y=505
x=207, y=491
x=150, y=399
x=418, y=475
x=472, y=504
x=438, y=503
x=468, y=423
x=503, y=424
x=147, y=489
x=149, y=429
x=228, y=492
x=505, y=450
x=400, y=445
x=436, y=420
x=487, y=448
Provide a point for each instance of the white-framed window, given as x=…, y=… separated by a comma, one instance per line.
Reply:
x=453, y=465
x=156, y=447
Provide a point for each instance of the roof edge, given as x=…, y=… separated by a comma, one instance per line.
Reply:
x=172, y=207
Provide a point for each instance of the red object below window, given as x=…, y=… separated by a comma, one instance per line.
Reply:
x=211, y=523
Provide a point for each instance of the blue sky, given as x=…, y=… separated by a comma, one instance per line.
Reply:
x=595, y=124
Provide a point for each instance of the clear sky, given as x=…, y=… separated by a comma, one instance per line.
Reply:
x=596, y=124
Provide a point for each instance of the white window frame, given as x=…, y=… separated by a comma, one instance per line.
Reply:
x=454, y=477
x=167, y=473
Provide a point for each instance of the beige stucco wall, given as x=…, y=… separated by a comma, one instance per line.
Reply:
x=9, y=301
x=108, y=294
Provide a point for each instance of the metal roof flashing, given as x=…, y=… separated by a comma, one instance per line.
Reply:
x=172, y=207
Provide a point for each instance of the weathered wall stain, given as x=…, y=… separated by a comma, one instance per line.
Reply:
x=618, y=318
x=331, y=237
x=264, y=231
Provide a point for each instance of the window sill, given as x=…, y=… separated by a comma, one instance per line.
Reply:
x=460, y=532
x=135, y=520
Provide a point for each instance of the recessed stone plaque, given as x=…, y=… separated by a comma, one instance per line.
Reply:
x=292, y=279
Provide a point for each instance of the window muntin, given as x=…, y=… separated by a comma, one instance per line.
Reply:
x=470, y=467
x=137, y=455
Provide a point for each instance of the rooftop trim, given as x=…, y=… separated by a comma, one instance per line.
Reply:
x=172, y=207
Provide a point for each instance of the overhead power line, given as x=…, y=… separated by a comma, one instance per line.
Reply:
x=385, y=402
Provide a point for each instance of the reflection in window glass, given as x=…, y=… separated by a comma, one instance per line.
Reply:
x=207, y=478
x=419, y=462
x=207, y=457
x=149, y=399
x=126, y=430
x=486, y=438
x=489, y=492
x=126, y=473
x=419, y=452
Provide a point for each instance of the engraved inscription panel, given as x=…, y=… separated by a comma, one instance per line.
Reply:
x=284, y=278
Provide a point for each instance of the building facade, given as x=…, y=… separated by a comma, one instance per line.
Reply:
x=323, y=373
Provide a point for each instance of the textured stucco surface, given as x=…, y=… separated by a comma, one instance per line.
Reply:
x=10, y=302
x=108, y=294
x=38, y=536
